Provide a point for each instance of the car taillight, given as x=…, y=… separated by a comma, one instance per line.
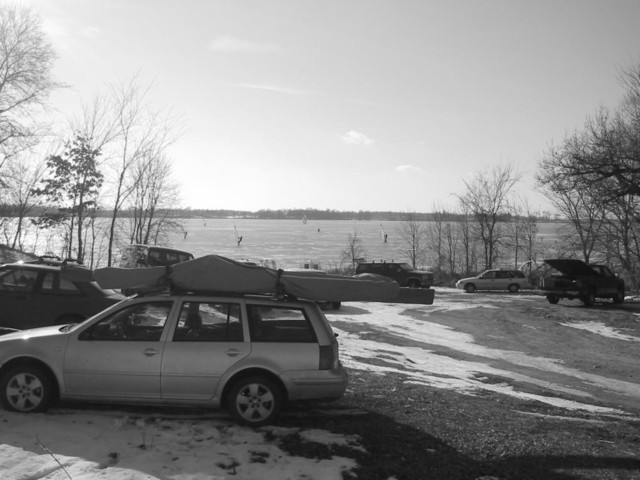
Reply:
x=329, y=357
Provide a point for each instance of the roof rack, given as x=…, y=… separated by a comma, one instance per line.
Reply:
x=171, y=290
x=54, y=260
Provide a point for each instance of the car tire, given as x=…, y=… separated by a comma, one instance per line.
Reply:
x=589, y=299
x=470, y=288
x=553, y=299
x=513, y=288
x=255, y=401
x=26, y=389
x=619, y=297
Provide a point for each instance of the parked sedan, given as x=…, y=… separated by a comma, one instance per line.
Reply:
x=49, y=292
x=250, y=354
x=511, y=280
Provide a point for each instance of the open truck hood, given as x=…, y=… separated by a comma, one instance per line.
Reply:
x=571, y=267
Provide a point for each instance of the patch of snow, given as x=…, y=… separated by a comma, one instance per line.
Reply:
x=602, y=329
x=425, y=352
x=92, y=445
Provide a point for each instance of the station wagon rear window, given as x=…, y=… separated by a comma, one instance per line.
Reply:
x=279, y=324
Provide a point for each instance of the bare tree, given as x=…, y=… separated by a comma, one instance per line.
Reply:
x=26, y=61
x=529, y=223
x=435, y=233
x=412, y=236
x=467, y=243
x=572, y=197
x=486, y=198
x=605, y=156
x=354, y=251
x=128, y=131
x=522, y=235
x=154, y=194
x=451, y=245
x=21, y=179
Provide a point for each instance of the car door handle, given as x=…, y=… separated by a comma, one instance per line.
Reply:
x=150, y=352
x=233, y=352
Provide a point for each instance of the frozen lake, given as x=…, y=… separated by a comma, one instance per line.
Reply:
x=290, y=243
x=293, y=243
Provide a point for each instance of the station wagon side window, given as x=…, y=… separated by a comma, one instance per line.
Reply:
x=489, y=275
x=279, y=324
x=21, y=280
x=139, y=322
x=209, y=322
x=53, y=283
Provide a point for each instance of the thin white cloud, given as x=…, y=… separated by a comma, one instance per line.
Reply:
x=68, y=35
x=230, y=44
x=356, y=138
x=90, y=31
x=270, y=88
x=408, y=169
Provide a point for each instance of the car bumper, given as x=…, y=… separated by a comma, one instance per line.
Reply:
x=562, y=293
x=316, y=385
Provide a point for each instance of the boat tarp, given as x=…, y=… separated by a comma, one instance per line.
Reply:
x=214, y=273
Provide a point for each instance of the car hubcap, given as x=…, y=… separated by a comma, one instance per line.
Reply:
x=255, y=402
x=25, y=392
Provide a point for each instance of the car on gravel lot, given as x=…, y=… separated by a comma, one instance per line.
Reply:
x=574, y=279
x=248, y=353
x=401, y=272
x=497, y=279
x=49, y=291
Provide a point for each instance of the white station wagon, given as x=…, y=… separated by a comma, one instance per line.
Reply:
x=511, y=280
x=248, y=353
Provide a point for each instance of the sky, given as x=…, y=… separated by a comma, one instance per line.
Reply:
x=350, y=105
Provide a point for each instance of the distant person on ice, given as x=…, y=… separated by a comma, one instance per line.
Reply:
x=239, y=240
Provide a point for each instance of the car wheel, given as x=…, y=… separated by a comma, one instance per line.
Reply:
x=513, y=288
x=26, y=389
x=469, y=288
x=255, y=401
x=619, y=298
x=589, y=299
x=553, y=299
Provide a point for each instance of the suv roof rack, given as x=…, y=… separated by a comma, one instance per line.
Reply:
x=54, y=260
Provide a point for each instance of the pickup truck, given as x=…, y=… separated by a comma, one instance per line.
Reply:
x=401, y=272
x=576, y=279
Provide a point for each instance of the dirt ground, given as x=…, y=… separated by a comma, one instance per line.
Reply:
x=415, y=431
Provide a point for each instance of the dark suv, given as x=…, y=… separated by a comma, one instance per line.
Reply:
x=49, y=291
x=402, y=273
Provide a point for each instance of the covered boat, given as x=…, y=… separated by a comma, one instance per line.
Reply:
x=213, y=273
